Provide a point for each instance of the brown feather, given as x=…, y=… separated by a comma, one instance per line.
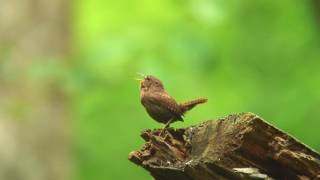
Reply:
x=186, y=106
x=159, y=105
x=165, y=102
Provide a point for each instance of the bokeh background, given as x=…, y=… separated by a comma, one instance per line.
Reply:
x=69, y=107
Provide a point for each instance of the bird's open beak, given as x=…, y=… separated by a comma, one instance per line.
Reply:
x=141, y=74
x=140, y=79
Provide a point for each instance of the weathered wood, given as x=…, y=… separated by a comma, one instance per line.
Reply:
x=241, y=146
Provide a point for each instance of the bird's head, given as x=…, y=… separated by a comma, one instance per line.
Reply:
x=151, y=83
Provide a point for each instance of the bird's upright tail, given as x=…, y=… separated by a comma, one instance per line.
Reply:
x=186, y=106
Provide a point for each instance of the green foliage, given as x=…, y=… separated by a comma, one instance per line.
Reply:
x=258, y=56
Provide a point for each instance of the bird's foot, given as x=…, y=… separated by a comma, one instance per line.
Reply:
x=162, y=132
x=165, y=127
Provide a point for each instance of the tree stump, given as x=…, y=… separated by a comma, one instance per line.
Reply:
x=241, y=146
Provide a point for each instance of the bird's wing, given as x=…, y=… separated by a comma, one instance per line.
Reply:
x=165, y=101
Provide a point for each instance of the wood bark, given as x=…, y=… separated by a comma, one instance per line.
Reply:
x=241, y=146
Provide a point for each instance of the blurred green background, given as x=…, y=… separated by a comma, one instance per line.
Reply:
x=258, y=56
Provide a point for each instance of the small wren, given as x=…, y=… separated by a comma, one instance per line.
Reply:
x=159, y=105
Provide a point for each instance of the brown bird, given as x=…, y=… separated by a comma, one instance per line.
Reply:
x=159, y=105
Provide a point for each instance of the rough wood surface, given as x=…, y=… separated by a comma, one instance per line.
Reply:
x=241, y=146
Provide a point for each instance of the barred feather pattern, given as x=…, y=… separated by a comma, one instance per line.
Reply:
x=186, y=106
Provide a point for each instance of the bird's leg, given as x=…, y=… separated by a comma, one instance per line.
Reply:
x=166, y=126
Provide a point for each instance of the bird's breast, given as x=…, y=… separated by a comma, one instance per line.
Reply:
x=157, y=112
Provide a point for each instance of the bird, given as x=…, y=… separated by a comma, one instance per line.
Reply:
x=160, y=105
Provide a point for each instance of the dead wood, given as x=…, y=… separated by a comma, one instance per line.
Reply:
x=241, y=146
